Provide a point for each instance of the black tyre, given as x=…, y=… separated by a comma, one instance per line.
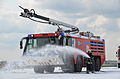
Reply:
x=69, y=64
x=38, y=69
x=49, y=69
x=118, y=65
x=97, y=64
x=78, y=65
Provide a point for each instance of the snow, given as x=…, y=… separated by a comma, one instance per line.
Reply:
x=16, y=69
x=105, y=73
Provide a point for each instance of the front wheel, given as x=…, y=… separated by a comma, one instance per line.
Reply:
x=49, y=69
x=38, y=69
x=69, y=64
x=97, y=64
x=78, y=65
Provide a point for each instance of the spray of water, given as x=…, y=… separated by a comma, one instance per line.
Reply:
x=48, y=50
x=14, y=64
x=52, y=50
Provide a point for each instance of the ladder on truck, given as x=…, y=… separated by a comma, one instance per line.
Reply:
x=30, y=14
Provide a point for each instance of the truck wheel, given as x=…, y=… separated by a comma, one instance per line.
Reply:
x=78, y=65
x=38, y=69
x=49, y=69
x=97, y=64
x=69, y=64
x=118, y=65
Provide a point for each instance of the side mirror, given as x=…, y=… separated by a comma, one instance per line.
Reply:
x=21, y=45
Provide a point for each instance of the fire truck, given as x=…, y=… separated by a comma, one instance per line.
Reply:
x=85, y=41
x=118, y=55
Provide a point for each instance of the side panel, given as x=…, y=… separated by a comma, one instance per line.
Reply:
x=95, y=46
x=80, y=44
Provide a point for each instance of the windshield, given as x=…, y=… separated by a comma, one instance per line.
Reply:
x=34, y=43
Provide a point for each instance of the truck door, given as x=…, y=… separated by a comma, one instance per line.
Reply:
x=67, y=41
x=73, y=42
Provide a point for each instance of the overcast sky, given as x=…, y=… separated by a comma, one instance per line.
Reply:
x=102, y=17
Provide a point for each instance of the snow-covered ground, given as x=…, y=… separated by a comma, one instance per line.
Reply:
x=105, y=73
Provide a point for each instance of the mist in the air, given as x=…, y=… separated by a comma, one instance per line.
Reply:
x=43, y=52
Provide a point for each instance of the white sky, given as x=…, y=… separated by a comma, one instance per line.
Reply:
x=102, y=17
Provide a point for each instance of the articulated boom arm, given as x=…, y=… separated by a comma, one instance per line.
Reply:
x=31, y=13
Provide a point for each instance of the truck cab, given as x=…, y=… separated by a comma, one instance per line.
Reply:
x=35, y=41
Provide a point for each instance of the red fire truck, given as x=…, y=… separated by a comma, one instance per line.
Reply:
x=118, y=55
x=85, y=41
